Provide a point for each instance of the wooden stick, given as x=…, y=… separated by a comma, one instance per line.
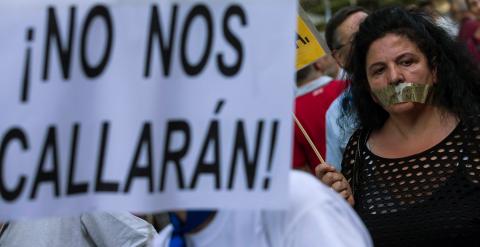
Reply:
x=308, y=139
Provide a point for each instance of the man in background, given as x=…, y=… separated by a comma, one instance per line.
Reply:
x=339, y=36
x=316, y=90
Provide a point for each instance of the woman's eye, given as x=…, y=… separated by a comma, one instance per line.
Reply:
x=378, y=71
x=406, y=62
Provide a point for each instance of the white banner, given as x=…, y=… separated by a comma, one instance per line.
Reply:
x=145, y=105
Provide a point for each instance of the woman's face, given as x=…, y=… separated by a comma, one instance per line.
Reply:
x=474, y=7
x=394, y=59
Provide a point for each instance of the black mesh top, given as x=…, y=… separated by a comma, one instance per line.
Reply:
x=428, y=199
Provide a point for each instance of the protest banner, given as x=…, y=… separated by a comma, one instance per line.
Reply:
x=310, y=45
x=144, y=106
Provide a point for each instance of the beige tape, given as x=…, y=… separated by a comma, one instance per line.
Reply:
x=403, y=92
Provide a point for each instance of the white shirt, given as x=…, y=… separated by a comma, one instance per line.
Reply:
x=316, y=216
x=87, y=230
x=317, y=83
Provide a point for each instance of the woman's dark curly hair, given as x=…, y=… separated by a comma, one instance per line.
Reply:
x=457, y=88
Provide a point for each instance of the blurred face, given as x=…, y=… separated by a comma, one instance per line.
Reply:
x=328, y=65
x=474, y=7
x=345, y=33
x=395, y=59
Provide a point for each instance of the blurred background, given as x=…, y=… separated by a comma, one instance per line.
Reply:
x=320, y=11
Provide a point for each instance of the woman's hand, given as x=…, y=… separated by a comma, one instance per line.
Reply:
x=334, y=179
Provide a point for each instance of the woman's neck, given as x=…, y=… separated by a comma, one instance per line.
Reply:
x=404, y=135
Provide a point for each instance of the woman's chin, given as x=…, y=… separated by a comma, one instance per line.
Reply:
x=403, y=107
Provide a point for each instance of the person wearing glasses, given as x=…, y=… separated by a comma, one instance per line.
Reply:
x=338, y=34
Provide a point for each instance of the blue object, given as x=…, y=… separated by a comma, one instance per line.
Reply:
x=194, y=220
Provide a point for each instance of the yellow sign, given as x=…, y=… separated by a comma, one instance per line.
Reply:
x=310, y=45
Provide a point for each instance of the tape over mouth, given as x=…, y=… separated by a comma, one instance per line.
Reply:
x=403, y=92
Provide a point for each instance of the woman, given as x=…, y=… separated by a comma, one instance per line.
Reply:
x=414, y=162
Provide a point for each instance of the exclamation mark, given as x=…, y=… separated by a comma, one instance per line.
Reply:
x=26, y=72
x=273, y=142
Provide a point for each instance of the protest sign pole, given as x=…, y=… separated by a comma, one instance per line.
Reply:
x=310, y=48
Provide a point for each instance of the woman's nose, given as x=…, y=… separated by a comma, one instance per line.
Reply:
x=395, y=76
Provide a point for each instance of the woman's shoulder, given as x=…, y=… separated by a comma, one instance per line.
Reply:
x=468, y=138
x=356, y=136
x=471, y=124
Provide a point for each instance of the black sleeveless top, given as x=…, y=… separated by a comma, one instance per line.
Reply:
x=428, y=199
